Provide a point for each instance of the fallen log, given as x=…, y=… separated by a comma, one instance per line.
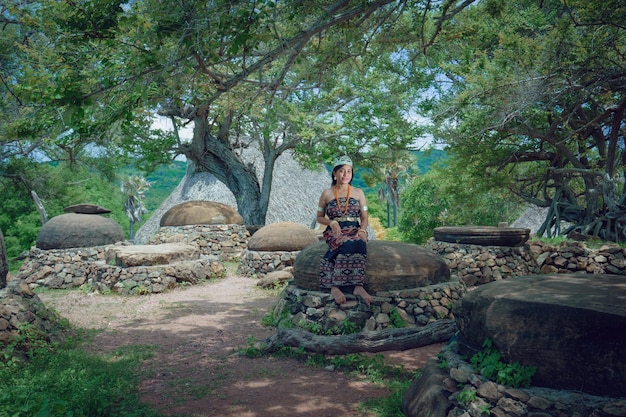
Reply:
x=384, y=340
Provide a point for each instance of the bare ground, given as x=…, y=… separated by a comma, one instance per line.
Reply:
x=196, y=370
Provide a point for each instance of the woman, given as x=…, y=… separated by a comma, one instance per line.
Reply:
x=343, y=209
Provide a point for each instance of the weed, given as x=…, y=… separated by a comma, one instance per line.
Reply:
x=467, y=396
x=349, y=327
x=489, y=363
x=396, y=320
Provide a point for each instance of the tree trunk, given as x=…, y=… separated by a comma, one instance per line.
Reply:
x=4, y=265
x=213, y=155
x=40, y=207
x=388, y=339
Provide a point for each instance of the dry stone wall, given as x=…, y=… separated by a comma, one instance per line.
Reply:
x=226, y=241
x=477, y=265
x=95, y=267
x=19, y=305
x=255, y=263
x=317, y=311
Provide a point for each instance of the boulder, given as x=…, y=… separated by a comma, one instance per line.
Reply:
x=282, y=236
x=390, y=266
x=200, y=212
x=163, y=254
x=426, y=396
x=74, y=230
x=569, y=326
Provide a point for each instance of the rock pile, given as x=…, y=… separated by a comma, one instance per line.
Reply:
x=478, y=265
x=151, y=279
x=59, y=268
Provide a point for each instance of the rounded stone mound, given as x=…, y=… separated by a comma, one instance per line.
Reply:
x=75, y=230
x=282, y=236
x=482, y=235
x=86, y=209
x=200, y=212
x=390, y=266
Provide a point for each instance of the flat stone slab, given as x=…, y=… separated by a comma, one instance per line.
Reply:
x=146, y=255
x=570, y=326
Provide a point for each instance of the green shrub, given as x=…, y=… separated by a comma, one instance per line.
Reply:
x=489, y=363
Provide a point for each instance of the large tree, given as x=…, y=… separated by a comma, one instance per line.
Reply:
x=286, y=75
x=533, y=97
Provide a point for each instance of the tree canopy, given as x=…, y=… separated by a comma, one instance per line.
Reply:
x=528, y=94
x=532, y=97
x=319, y=77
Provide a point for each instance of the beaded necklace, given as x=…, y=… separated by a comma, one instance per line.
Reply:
x=345, y=211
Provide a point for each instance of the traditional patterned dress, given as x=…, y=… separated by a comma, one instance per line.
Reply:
x=344, y=263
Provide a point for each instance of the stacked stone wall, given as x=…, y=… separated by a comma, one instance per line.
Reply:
x=478, y=265
x=95, y=269
x=576, y=257
x=226, y=241
x=60, y=268
x=20, y=306
x=411, y=307
x=253, y=263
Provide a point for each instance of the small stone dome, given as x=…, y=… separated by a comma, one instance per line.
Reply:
x=76, y=230
x=390, y=266
x=86, y=209
x=282, y=236
x=200, y=212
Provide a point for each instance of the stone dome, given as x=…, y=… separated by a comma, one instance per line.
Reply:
x=200, y=212
x=282, y=236
x=86, y=208
x=390, y=266
x=76, y=230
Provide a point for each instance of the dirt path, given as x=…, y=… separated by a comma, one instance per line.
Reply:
x=196, y=370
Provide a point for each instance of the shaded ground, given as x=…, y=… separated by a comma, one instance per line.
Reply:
x=197, y=331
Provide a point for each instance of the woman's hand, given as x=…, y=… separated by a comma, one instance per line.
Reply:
x=362, y=233
x=334, y=226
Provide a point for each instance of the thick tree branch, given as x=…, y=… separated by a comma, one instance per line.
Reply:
x=388, y=339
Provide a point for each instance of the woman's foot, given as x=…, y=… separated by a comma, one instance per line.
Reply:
x=360, y=291
x=340, y=297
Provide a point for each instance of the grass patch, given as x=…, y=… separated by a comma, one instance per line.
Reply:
x=53, y=379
